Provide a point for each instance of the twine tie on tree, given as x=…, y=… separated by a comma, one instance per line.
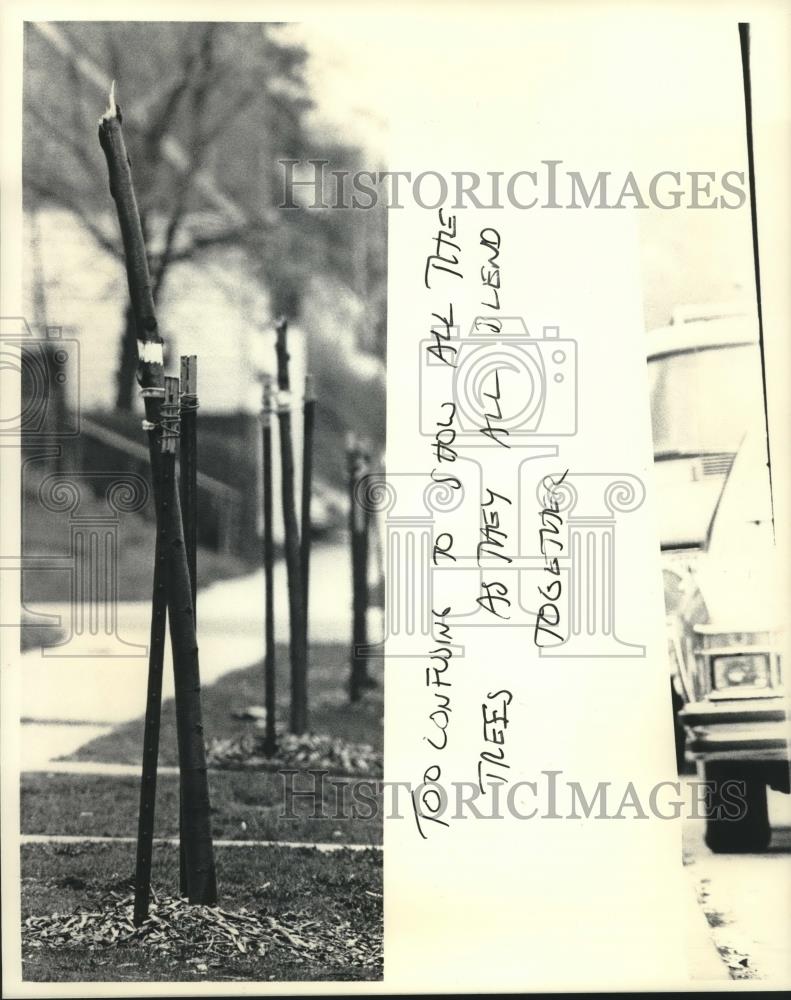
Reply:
x=189, y=401
x=170, y=422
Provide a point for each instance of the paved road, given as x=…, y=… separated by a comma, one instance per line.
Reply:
x=747, y=899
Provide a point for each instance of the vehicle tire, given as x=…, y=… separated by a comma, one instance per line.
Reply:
x=679, y=733
x=726, y=831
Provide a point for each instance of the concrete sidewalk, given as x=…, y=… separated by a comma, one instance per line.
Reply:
x=41, y=838
x=100, y=688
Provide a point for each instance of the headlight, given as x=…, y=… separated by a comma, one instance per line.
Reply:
x=741, y=671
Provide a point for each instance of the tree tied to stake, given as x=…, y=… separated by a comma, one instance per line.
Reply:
x=268, y=553
x=357, y=459
x=199, y=852
x=296, y=605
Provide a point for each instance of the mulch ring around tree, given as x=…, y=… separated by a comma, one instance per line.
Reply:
x=213, y=934
x=311, y=751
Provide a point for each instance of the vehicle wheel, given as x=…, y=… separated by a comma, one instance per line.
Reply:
x=679, y=733
x=726, y=831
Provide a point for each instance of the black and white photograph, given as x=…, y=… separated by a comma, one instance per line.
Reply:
x=164, y=286
x=395, y=498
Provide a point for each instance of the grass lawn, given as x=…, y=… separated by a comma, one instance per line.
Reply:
x=330, y=710
x=246, y=805
x=338, y=893
x=341, y=891
x=48, y=533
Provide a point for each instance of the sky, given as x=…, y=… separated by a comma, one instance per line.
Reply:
x=675, y=103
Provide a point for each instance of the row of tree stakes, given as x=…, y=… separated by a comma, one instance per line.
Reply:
x=171, y=425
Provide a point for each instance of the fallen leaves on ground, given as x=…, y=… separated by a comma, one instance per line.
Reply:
x=210, y=933
x=309, y=751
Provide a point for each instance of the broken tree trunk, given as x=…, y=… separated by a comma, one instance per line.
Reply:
x=297, y=631
x=125, y=376
x=192, y=756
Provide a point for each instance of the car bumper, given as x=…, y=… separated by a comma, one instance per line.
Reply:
x=746, y=730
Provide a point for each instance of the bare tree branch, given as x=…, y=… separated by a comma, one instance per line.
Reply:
x=229, y=116
x=195, y=81
x=61, y=197
x=52, y=129
x=208, y=241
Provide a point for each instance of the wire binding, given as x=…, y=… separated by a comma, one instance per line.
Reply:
x=170, y=422
x=189, y=401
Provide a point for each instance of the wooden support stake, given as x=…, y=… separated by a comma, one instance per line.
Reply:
x=188, y=493
x=297, y=647
x=270, y=665
x=198, y=849
x=188, y=467
x=308, y=424
x=148, y=782
x=192, y=754
x=358, y=540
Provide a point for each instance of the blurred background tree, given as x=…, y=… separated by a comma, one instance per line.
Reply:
x=209, y=109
